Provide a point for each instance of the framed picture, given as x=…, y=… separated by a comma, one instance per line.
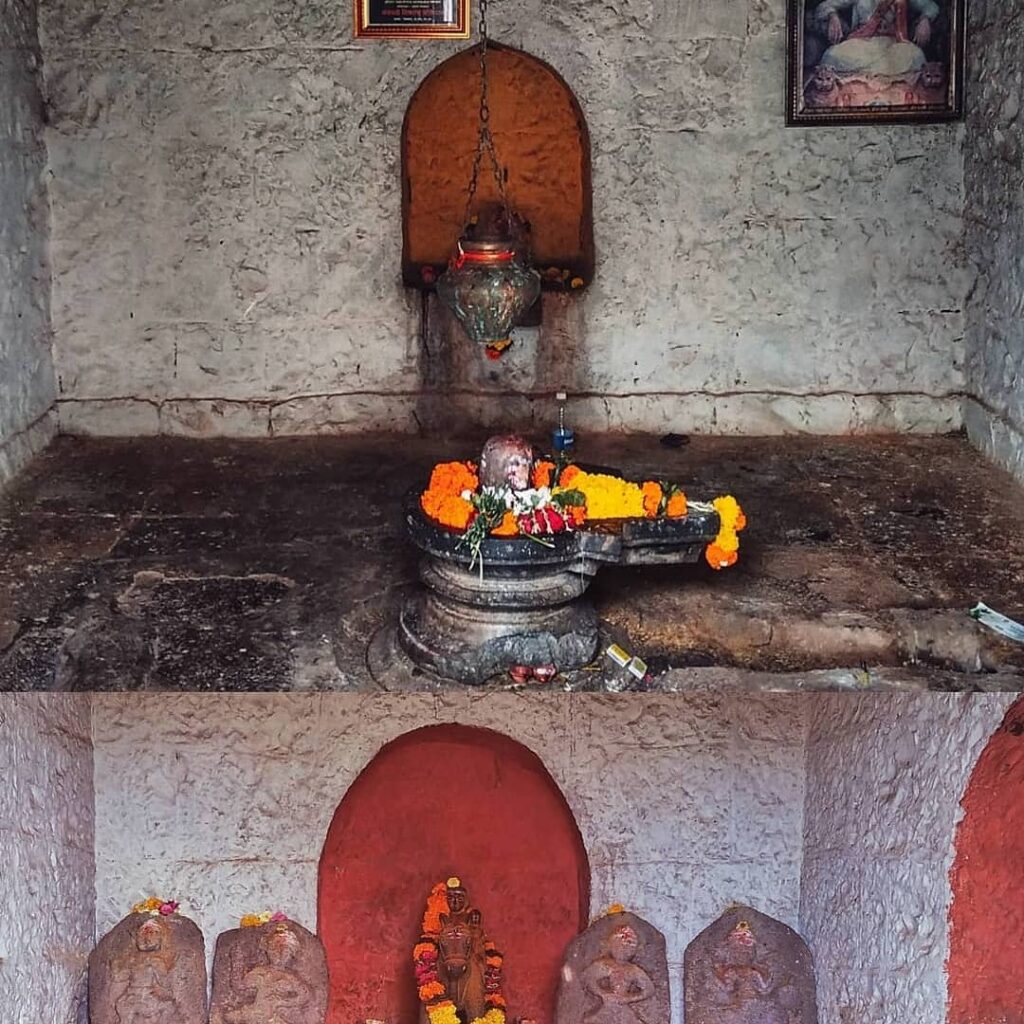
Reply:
x=411, y=19
x=875, y=61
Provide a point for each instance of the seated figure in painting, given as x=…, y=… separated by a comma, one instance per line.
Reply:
x=874, y=54
x=458, y=972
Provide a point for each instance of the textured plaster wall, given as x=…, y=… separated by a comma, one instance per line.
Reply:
x=27, y=389
x=884, y=780
x=994, y=230
x=47, y=896
x=227, y=236
x=684, y=803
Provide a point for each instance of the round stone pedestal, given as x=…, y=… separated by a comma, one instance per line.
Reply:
x=527, y=604
x=470, y=628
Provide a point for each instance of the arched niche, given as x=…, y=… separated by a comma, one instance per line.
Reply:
x=542, y=141
x=986, y=942
x=444, y=800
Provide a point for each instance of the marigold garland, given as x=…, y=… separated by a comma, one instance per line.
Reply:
x=445, y=499
x=652, y=496
x=608, y=497
x=723, y=551
x=425, y=963
x=455, y=499
x=675, y=507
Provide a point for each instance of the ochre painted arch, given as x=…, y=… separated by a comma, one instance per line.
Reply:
x=986, y=943
x=542, y=140
x=449, y=800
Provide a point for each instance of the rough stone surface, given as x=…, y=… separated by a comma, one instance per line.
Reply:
x=149, y=969
x=47, y=896
x=884, y=780
x=227, y=239
x=993, y=217
x=746, y=968
x=173, y=564
x=684, y=803
x=614, y=978
x=27, y=388
x=272, y=972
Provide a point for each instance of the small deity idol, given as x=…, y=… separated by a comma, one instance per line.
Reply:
x=271, y=973
x=454, y=963
x=617, y=982
x=275, y=993
x=615, y=972
x=148, y=969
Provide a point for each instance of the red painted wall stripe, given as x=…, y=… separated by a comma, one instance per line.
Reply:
x=986, y=945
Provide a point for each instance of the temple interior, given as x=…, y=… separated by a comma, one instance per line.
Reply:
x=511, y=512
x=902, y=874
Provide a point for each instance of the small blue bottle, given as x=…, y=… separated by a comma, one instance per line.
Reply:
x=563, y=438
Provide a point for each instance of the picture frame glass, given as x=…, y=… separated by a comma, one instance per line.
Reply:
x=864, y=61
x=412, y=19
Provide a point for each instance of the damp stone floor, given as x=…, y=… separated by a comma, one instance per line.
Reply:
x=160, y=564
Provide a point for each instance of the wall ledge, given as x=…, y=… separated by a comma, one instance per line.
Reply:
x=750, y=413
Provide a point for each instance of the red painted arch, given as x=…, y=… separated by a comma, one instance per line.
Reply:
x=440, y=801
x=986, y=943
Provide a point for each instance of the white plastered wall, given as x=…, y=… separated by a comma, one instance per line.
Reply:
x=227, y=237
x=884, y=779
x=28, y=419
x=47, y=857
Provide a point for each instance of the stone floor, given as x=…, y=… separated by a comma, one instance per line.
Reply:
x=208, y=565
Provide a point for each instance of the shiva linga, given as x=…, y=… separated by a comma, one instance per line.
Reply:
x=510, y=545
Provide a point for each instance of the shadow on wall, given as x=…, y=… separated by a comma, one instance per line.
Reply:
x=986, y=959
x=441, y=801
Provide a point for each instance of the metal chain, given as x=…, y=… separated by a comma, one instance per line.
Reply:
x=485, y=140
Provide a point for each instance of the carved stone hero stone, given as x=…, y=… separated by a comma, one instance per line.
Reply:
x=273, y=973
x=148, y=969
x=615, y=973
x=747, y=968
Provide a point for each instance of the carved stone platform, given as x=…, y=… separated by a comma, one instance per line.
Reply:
x=527, y=604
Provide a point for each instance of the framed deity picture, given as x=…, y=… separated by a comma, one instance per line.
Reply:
x=411, y=19
x=875, y=61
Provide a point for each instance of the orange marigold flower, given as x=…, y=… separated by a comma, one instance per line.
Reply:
x=494, y=999
x=568, y=475
x=576, y=514
x=434, y=988
x=676, y=507
x=719, y=558
x=423, y=947
x=494, y=961
x=508, y=527
x=437, y=904
x=453, y=478
x=448, y=510
x=652, y=498
x=542, y=473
